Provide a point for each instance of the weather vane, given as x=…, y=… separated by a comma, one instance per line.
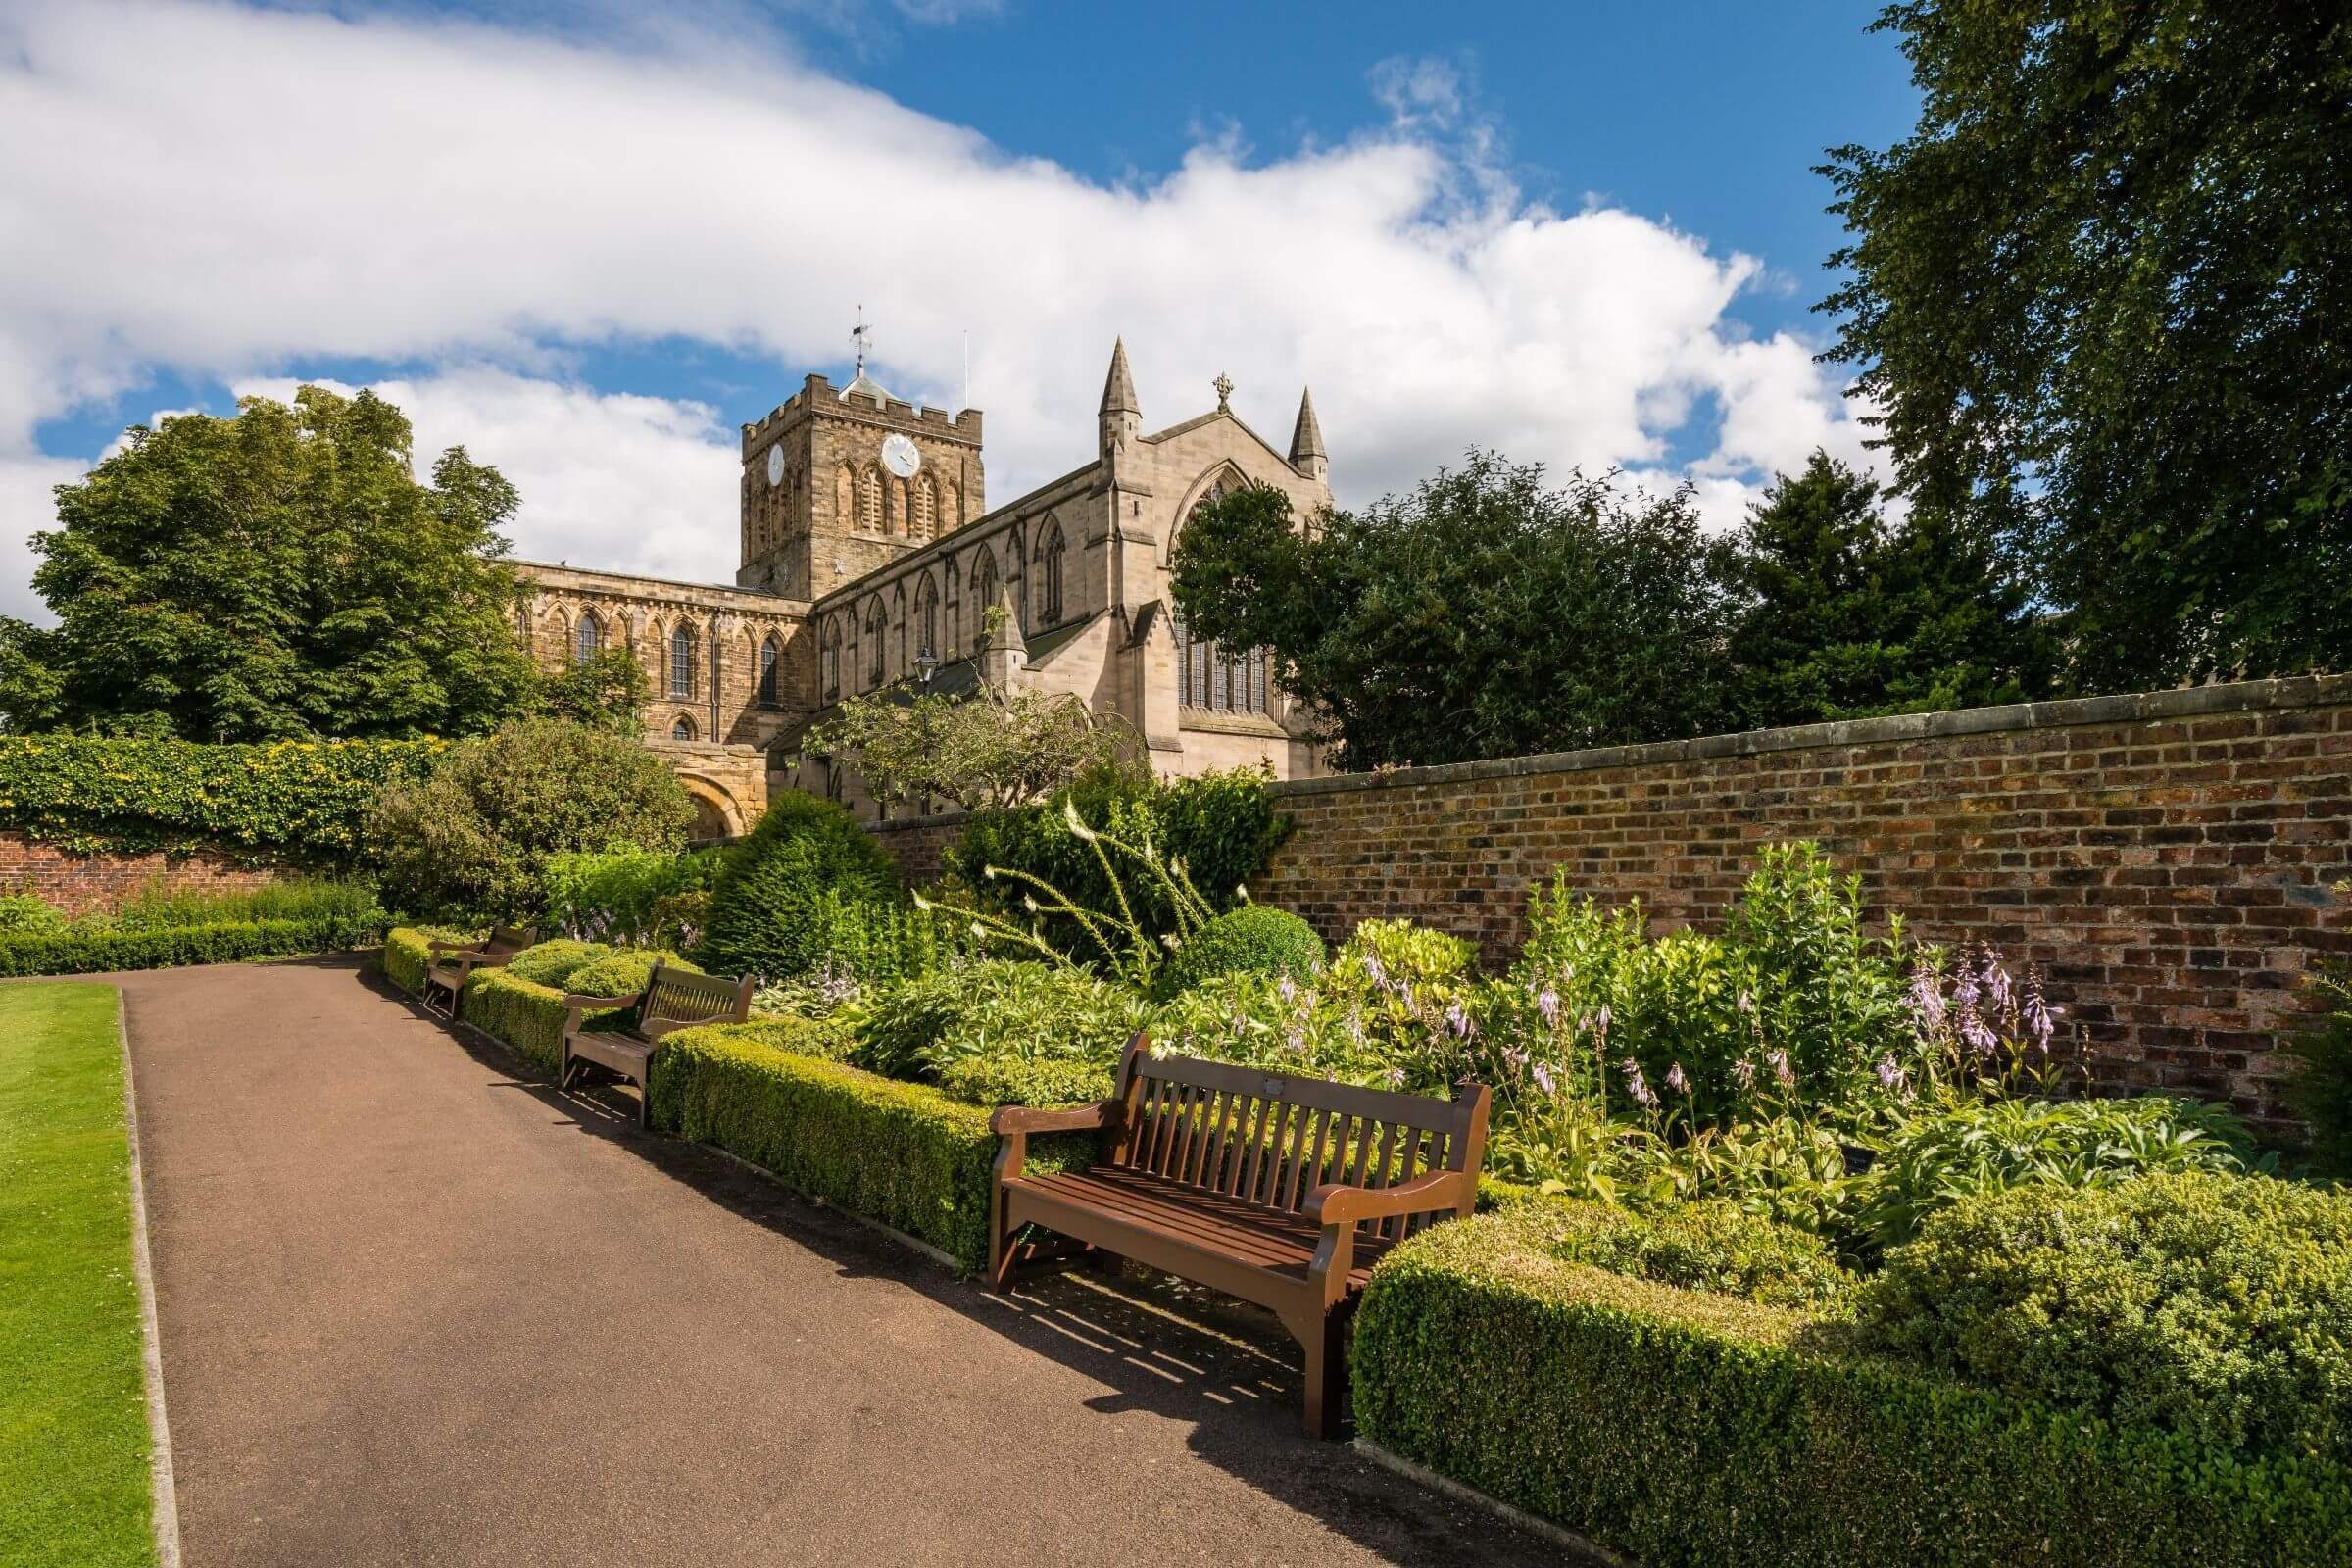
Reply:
x=863, y=335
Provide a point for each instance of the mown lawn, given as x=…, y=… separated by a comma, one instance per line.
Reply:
x=73, y=1448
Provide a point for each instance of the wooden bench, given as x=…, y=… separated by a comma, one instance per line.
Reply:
x=1281, y=1190
x=448, y=964
x=672, y=1000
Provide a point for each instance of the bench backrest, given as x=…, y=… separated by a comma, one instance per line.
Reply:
x=506, y=941
x=678, y=999
x=1269, y=1139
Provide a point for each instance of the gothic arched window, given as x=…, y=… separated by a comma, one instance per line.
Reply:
x=926, y=506
x=869, y=500
x=682, y=729
x=1049, y=551
x=873, y=642
x=830, y=659
x=898, y=629
x=590, y=641
x=926, y=618
x=681, y=662
x=845, y=502
x=769, y=653
x=984, y=588
x=898, y=504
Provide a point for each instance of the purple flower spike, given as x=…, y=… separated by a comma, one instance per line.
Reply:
x=1676, y=1081
x=1637, y=1086
x=1547, y=1005
x=1781, y=1068
x=1543, y=1079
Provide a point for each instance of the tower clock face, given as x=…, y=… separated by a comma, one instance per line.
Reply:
x=900, y=457
x=775, y=465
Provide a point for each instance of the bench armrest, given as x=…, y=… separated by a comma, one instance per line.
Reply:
x=1078, y=1118
x=1337, y=1203
x=576, y=1005
x=572, y=998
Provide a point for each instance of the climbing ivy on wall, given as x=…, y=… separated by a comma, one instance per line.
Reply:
x=302, y=801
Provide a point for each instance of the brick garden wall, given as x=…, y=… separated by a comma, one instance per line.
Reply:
x=77, y=884
x=918, y=844
x=2167, y=858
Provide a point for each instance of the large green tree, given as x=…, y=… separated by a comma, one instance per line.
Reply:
x=1486, y=614
x=2099, y=298
x=282, y=573
x=1846, y=614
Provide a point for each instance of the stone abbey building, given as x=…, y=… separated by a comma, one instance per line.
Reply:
x=869, y=557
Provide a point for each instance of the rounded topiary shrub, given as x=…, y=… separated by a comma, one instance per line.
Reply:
x=2217, y=1306
x=623, y=974
x=1711, y=1245
x=553, y=963
x=783, y=890
x=1249, y=940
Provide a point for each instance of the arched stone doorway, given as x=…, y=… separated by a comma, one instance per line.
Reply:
x=716, y=815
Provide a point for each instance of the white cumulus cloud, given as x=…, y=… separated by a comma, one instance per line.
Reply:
x=222, y=190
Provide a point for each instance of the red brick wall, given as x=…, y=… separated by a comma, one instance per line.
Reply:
x=80, y=883
x=2167, y=858
x=918, y=844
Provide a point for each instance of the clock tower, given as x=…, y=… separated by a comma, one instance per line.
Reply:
x=840, y=481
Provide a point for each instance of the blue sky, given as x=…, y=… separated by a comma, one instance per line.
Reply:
x=588, y=242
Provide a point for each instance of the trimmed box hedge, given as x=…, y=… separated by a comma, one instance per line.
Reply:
x=1687, y=1428
x=169, y=947
x=901, y=1154
x=408, y=950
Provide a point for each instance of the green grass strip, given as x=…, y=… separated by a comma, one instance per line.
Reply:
x=74, y=1442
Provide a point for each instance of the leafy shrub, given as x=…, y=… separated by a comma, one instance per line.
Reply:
x=616, y=895
x=2215, y=1307
x=1000, y=1080
x=305, y=800
x=73, y=952
x=1249, y=940
x=23, y=914
x=882, y=944
x=778, y=905
x=995, y=1008
x=1391, y=1010
x=624, y=973
x=553, y=963
x=1681, y=1428
x=1708, y=1246
x=1221, y=828
x=1791, y=1007
x=1935, y=1158
x=901, y=1153
x=475, y=837
x=2319, y=1085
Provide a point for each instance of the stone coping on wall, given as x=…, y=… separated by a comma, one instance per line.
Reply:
x=2295, y=692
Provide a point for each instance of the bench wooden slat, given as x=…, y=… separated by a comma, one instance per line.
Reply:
x=1209, y=1172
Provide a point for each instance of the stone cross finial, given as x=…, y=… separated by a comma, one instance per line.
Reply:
x=1224, y=388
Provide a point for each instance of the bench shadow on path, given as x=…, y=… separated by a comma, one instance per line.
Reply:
x=1164, y=1348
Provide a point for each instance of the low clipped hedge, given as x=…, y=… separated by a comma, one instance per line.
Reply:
x=1711, y=1245
x=1681, y=1427
x=1249, y=940
x=409, y=951
x=1052, y=1082
x=171, y=947
x=901, y=1154
x=522, y=1013
x=2216, y=1306
x=555, y=962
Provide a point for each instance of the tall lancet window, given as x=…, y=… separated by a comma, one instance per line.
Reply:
x=681, y=662
x=768, y=655
x=591, y=640
x=1049, y=552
